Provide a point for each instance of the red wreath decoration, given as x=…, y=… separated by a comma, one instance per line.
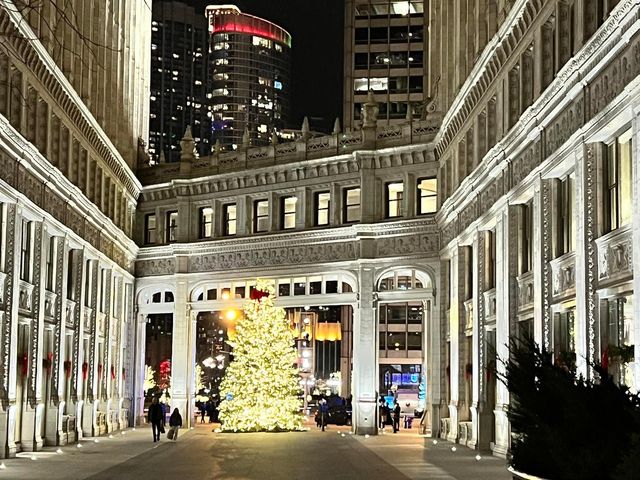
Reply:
x=85, y=369
x=67, y=368
x=258, y=294
x=468, y=371
x=113, y=372
x=99, y=370
x=23, y=361
x=48, y=362
x=604, y=358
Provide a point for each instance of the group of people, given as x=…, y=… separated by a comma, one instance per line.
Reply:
x=208, y=409
x=390, y=415
x=157, y=419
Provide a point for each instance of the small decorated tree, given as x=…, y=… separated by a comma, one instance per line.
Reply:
x=260, y=387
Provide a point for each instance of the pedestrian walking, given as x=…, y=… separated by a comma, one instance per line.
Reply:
x=175, y=422
x=156, y=419
x=203, y=411
x=324, y=411
x=383, y=413
x=396, y=417
x=210, y=410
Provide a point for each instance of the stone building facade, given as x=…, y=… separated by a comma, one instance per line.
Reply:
x=512, y=209
x=73, y=79
x=531, y=124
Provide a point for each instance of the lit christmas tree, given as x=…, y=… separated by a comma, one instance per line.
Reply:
x=260, y=387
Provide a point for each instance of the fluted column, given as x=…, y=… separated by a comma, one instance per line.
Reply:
x=9, y=331
x=183, y=344
x=636, y=237
x=365, y=354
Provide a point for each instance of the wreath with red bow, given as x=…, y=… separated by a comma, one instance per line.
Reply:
x=113, y=372
x=67, y=368
x=85, y=369
x=258, y=294
x=23, y=361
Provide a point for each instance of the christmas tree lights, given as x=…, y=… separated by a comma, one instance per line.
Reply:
x=260, y=387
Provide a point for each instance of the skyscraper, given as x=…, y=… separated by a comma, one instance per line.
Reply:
x=180, y=80
x=385, y=51
x=251, y=76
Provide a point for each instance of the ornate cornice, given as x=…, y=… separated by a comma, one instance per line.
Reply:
x=20, y=38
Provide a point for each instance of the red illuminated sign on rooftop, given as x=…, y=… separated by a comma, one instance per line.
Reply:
x=232, y=21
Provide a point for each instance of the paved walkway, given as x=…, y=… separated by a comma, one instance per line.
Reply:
x=314, y=455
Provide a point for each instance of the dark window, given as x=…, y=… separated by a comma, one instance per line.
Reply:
x=212, y=294
x=566, y=233
x=51, y=253
x=206, y=222
x=25, y=252
x=240, y=292
x=284, y=289
x=331, y=286
x=71, y=294
x=229, y=213
x=172, y=226
x=261, y=216
x=168, y=297
x=427, y=196
x=150, y=228
x=322, y=202
x=351, y=205
x=315, y=288
x=299, y=288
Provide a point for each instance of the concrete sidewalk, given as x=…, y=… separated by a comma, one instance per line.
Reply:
x=313, y=455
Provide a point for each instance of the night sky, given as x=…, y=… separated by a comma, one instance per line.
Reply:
x=316, y=28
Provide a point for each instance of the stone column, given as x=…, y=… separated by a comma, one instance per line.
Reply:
x=104, y=402
x=365, y=357
x=335, y=205
x=636, y=237
x=409, y=197
x=586, y=258
x=182, y=352
x=506, y=304
x=9, y=332
x=481, y=413
x=368, y=200
x=31, y=413
x=184, y=221
x=544, y=218
x=138, y=368
x=90, y=406
x=78, y=349
x=54, y=407
x=434, y=360
x=346, y=349
x=301, y=209
x=456, y=334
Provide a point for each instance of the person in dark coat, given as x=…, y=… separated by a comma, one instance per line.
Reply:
x=175, y=422
x=203, y=411
x=156, y=418
x=396, y=417
x=210, y=410
x=324, y=413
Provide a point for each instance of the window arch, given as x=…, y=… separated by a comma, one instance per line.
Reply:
x=403, y=279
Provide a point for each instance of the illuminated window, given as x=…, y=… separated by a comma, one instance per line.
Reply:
x=150, y=228
x=261, y=216
x=261, y=42
x=427, y=195
x=394, y=194
x=229, y=212
x=567, y=224
x=619, y=181
x=288, y=212
x=172, y=226
x=206, y=222
x=322, y=202
x=351, y=211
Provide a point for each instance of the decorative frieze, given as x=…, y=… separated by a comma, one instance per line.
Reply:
x=525, y=291
x=490, y=305
x=25, y=297
x=563, y=275
x=615, y=255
